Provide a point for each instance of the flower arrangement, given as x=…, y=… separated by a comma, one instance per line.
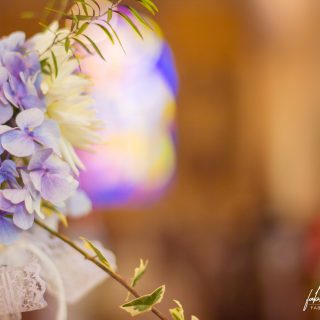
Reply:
x=46, y=114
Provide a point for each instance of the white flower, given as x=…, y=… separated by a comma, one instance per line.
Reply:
x=67, y=98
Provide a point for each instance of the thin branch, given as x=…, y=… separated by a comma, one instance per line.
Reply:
x=111, y=273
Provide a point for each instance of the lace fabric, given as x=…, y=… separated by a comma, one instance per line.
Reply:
x=21, y=290
x=36, y=256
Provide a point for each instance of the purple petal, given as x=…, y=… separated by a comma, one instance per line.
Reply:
x=9, y=94
x=48, y=134
x=32, y=63
x=18, y=143
x=4, y=129
x=5, y=205
x=3, y=75
x=15, y=196
x=10, y=167
x=22, y=218
x=37, y=206
x=14, y=41
x=32, y=101
x=57, y=188
x=30, y=118
x=36, y=179
x=8, y=232
x=6, y=113
x=14, y=63
x=28, y=183
x=28, y=202
x=39, y=158
x=55, y=165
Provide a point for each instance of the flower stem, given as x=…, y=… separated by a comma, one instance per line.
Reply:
x=111, y=273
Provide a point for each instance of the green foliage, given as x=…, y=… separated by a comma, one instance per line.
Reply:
x=88, y=244
x=96, y=48
x=144, y=303
x=55, y=64
x=139, y=272
x=137, y=15
x=177, y=313
x=130, y=22
x=149, y=5
x=80, y=14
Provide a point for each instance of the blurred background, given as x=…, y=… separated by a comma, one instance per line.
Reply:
x=235, y=232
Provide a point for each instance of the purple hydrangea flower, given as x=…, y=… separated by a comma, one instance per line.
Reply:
x=26, y=133
x=51, y=177
x=32, y=129
x=20, y=76
x=8, y=231
x=34, y=205
x=14, y=42
x=8, y=172
x=23, y=88
x=6, y=111
x=21, y=207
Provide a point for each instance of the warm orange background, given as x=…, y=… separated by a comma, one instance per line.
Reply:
x=236, y=235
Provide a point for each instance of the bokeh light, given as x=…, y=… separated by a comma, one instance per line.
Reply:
x=135, y=98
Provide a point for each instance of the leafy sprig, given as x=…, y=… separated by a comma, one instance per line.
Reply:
x=80, y=14
x=141, y=303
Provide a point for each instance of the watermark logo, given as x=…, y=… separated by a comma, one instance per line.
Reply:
x=313, y=300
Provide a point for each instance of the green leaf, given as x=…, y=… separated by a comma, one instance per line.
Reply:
x=83, y=45
x=152, y=5
x=149, y=5
x=83, y=28
x=84, y=7
x=139, y=272
x=46, y=67
x=94, y=46
x=109, y=15
x=177, y=313
x=117, y=37
x=96, y=251
x=138, y=16
x=106, y=31
x=144, y=303
x=67, y=45
x=130, y=22
x=98, y=6
x=55, y=63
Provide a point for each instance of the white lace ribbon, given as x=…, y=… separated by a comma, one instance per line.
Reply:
x=21, y=290
x=68, y=276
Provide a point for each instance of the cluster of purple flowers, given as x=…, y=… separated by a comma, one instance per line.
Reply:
x=32, y=172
